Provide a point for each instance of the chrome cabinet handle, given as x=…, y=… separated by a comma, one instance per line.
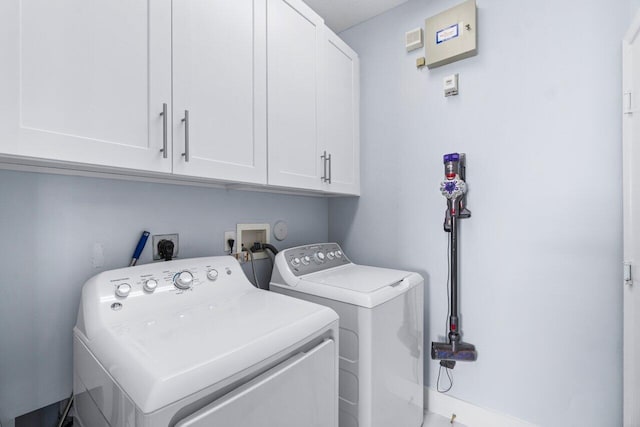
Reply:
x=330, y=174
x=323, y=178
x=186, y=136
x=163, y=150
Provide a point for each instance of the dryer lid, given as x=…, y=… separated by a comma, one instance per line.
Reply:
x=163, y=346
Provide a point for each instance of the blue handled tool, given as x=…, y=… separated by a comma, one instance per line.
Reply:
x=139, y=248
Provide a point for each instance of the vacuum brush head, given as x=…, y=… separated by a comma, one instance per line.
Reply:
x=464, y=352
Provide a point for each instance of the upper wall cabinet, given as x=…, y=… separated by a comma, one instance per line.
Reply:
x=340, y=118
x=219, y=89
x=313, y=103
x=86, y=81
x=294, y=47
x=214, y=89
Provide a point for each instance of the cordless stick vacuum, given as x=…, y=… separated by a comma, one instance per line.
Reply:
x=454, y=189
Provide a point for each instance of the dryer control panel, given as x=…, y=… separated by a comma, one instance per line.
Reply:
x=311, y=258
x=150, y=287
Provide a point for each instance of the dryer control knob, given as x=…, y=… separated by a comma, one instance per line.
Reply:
x=150, y=285
x=295, y=262
x=338, y=254
x=319, y=257
x=212, y=274
x=123, y=290
x=331, y=255
x=183, y=280
x=306, y=260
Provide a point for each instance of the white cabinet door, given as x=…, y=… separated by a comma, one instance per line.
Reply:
x=85, y=81
x=294, y=40
x=219, y=77
x=340, y=124
x=631, y=210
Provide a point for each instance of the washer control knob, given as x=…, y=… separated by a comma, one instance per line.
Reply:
x=331, y=255
x=212, y=274
x=150, y=285
x=319, y=257
x=295, y=262
x=123, y=290
x=338, y=254
x=183, y=280
x=306, y=260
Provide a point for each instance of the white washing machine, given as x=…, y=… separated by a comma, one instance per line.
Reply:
x=381, y=341
x=191, y=343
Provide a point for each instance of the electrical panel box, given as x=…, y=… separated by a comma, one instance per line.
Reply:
x=451, y=35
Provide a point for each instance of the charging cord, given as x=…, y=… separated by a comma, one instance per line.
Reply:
x=449, y=376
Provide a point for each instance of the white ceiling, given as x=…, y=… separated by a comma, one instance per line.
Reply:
x=342, y=14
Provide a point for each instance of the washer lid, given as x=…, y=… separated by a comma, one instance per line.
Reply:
x=358, y=284
x=358, y=278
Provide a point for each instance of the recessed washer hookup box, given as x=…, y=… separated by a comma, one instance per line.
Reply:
x=451, y=35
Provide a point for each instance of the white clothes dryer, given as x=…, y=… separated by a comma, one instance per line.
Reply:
x=192, y=343
x=381, y=331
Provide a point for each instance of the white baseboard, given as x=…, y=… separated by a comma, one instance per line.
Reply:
x=467, y=413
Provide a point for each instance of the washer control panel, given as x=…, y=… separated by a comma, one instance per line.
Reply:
x=312, y=258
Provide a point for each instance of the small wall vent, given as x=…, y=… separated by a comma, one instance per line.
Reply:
x=414, y=40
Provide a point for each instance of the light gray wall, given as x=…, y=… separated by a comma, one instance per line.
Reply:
x=539, y=117
x=49, y=225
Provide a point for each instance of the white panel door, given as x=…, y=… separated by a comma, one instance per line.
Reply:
x=85, y=81
x=631, y=174
x=219, y=77
x=340, y=124
x=294, y=36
